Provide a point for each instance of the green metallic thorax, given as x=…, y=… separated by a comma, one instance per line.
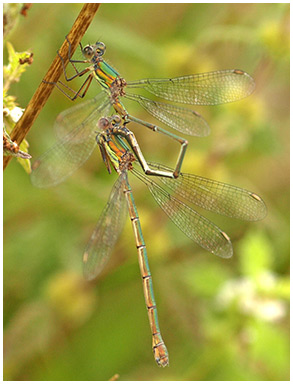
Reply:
x=105, y=74
x=111, y=152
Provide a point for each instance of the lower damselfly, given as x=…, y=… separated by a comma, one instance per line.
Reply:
x=209, y=194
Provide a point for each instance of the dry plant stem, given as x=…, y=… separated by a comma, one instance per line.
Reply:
x=44, y=90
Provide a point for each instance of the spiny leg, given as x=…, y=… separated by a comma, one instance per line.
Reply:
x=131, y=140
x=113, y=124
x=85, y=85
x=155, y=128
x=78, y=74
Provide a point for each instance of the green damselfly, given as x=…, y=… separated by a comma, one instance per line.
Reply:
x=212, y=195
x=77, y=125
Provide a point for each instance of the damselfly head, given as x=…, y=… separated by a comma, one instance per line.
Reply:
x=97, y=49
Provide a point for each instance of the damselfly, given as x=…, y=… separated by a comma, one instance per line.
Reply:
x=76, y=126
x=209, y=194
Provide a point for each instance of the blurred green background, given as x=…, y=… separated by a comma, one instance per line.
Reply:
x=220, y=319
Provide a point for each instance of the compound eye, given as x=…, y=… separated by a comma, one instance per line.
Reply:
x=103, y=123
x=100, y=48
x=116, y=119
x=88, y=51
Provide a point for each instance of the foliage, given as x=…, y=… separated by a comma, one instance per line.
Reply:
x=17, y=65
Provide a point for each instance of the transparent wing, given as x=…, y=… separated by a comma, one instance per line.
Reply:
x=209, y=88
x=74, y=116
x=215, y=196
x=71, y=151
x=106, y=233
x=196, y=227
x=181, y=119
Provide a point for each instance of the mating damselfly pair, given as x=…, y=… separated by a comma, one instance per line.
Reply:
x=80, y=127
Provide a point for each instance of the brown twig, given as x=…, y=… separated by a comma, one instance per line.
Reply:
x=44, y=90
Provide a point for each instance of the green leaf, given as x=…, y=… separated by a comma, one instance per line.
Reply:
x=25, y=163
x=18, y=62
x=12, y=149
